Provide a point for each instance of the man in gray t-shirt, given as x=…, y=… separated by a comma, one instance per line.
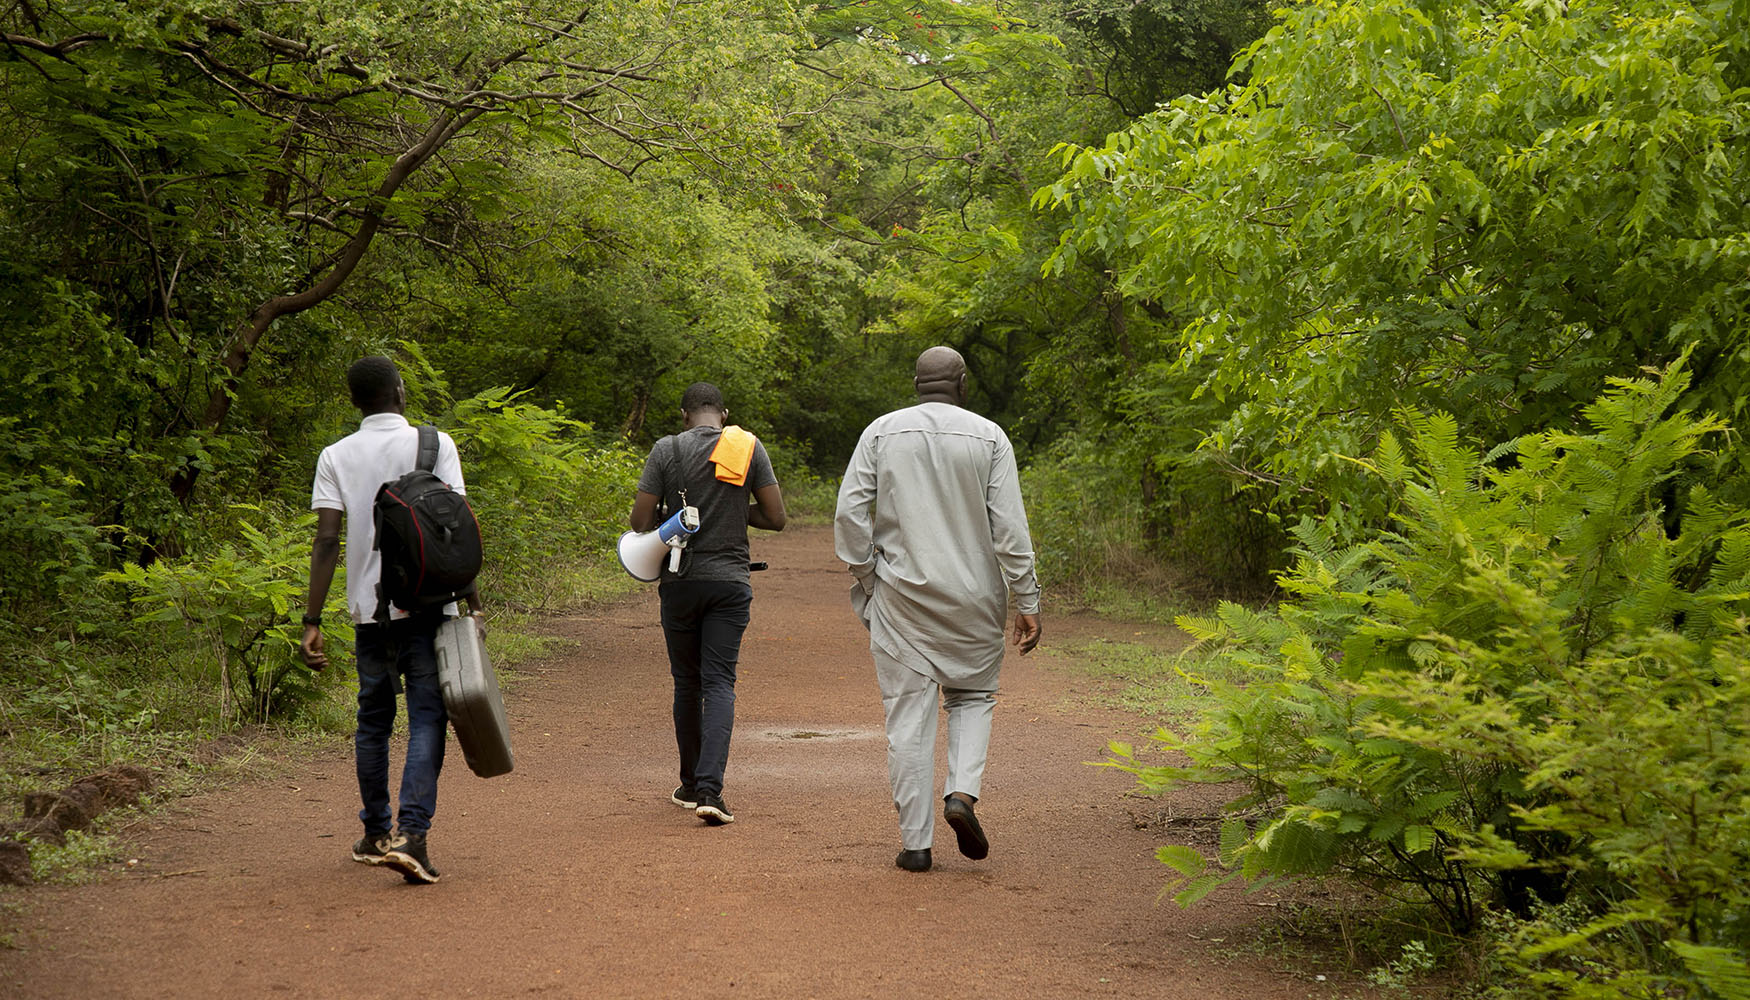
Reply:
x=705, y=606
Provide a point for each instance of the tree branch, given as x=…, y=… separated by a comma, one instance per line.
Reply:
x=250, y=332
x=58, y=49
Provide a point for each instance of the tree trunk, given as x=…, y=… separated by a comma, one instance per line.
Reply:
x=226, y=710
x=635, y=418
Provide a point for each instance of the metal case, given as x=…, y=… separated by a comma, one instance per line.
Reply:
x=471, y=698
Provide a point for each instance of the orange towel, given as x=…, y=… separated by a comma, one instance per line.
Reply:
x=733, y=455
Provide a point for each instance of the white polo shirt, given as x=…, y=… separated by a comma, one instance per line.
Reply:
x=348, y=474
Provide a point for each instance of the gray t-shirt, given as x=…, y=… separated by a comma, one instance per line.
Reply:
x=718, y=551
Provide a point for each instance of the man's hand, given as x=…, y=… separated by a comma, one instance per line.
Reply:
x=1027, y=632
x=311, y=648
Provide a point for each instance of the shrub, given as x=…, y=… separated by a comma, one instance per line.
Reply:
x=238, y=597
x=806, y=493
x=53, y=547
x=1534, y=691
x=545, y=490
x=1083, y=512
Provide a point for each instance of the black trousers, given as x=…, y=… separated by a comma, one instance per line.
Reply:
x=703, y=621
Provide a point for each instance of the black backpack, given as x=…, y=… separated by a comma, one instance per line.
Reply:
x=428, y=536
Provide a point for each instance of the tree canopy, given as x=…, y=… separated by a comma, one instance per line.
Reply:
x=1486, y=210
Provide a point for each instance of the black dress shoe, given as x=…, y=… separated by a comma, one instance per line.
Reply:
x=958, y=813
x=914, y=861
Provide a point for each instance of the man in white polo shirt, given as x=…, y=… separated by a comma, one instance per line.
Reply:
x=393, y=654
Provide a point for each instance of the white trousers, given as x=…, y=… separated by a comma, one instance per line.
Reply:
x=910, y=700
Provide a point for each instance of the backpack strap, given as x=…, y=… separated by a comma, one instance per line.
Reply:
x=674, y=463
x=678, y=484
x=428, y=448
x=382, y=613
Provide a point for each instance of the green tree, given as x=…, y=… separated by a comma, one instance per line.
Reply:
x=1486, y=210
x=197, y=176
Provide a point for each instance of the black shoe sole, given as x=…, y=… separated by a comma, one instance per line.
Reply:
x=967, y=833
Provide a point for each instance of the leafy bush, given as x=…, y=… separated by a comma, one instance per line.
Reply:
x=238, y=598
x=1535, y=690
x=1083, y=512
x=53, y=547
x=1209, y=504
x=545, y=491
x=806, y=494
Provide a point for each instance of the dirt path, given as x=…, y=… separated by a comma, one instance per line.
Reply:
x=574, y=876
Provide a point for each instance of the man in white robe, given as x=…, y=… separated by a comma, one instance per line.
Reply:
x=931, y=523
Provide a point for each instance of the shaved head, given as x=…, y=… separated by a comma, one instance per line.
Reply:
x=941, y=372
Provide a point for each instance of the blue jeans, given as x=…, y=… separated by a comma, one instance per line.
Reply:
x=388, y=653
x=703, y=620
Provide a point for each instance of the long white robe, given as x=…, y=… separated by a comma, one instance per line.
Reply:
x=931, y=523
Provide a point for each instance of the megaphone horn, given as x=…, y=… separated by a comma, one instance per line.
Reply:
x=641, y=553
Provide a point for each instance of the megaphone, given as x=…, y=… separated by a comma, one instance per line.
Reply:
x=641, y=552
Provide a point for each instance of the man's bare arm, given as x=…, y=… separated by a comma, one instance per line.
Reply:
x=324, y=556
x=767, y=511
x=644, y=511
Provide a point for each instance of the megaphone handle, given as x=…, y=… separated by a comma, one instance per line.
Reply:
x=674, y=559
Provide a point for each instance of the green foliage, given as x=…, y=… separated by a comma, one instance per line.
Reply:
x=238, y=598
x=1397, y=975
x=76, y=484
x=1484, y=210
x=1083, y=512
x=559, y=196
x=71, y=690
x=1536, y=686
x=55, y=548
x=806, y=494
x=73, y=862
x=1143, y=54
x=544, y=489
